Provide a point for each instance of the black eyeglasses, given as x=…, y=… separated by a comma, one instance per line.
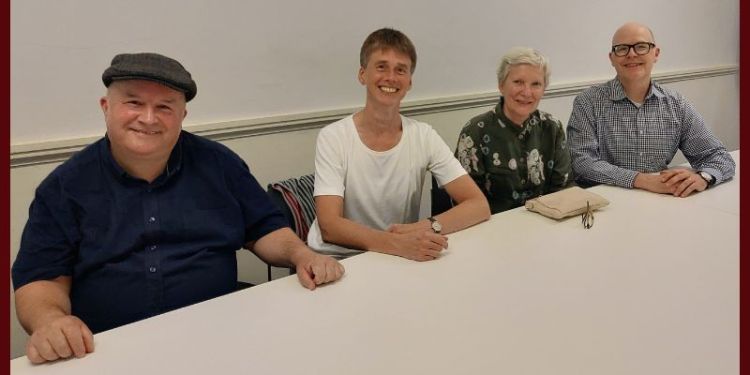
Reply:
x=640, y=48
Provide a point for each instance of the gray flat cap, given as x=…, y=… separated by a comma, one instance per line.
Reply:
x=151, y=67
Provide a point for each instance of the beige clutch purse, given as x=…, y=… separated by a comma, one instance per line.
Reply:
x=564, y=203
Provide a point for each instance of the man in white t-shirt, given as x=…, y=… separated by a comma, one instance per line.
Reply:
x=370, y=168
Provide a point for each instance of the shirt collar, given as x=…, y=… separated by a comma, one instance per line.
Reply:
x=531, y=121
x=174, y=164
x=617, y=92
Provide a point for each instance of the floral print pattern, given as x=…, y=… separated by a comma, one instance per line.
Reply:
x=467, y=153
x=512, y=162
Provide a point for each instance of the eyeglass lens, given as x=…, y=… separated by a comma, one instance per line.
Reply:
x=639, y=48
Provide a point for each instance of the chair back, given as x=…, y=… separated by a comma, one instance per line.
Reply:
x=439, y=198
x=294, y=197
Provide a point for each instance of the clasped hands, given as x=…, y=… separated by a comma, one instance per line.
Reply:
x=679, y=182
x=416, y=241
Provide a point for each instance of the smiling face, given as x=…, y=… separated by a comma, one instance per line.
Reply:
x=522, y=90
x=387, y=77
x=633, y=67
x=143, y=119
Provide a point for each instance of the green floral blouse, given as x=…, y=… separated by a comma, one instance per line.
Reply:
x=511, y=163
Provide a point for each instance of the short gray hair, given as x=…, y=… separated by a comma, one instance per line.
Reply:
x=522, y=55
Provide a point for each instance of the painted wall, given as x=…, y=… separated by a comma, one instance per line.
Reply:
x=263, y=58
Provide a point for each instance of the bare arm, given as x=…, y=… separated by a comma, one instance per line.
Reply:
x=336, y=229
x=43, y=309
x=471, y=208
x=283, y=247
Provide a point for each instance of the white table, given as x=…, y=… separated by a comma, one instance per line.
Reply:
x=652, y=288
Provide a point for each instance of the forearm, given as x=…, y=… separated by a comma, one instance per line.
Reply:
x=719, y=164
x=471, y=208
x=702, y=149
x=465, y=214
x=283, y=248
x=43, y=301
x=347, y=233
x=280, y=248
x=603, y=172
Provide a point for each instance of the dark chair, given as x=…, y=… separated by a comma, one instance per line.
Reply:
x=243, y=285
x=439, y=198
x=293, y=196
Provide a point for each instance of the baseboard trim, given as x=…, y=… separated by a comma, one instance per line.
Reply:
x=55, y=151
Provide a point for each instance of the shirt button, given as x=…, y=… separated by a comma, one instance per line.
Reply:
x=153, y=247
x=151, y=219
x=640, y=132
x=152, y=269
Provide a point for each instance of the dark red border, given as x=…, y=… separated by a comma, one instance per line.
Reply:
x=5, y=183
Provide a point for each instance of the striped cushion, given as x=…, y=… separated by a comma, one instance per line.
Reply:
x=298, y=196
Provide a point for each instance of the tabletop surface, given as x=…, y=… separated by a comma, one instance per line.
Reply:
x=652, y=288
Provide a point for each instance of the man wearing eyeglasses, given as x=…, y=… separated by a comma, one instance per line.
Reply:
x=625, y=132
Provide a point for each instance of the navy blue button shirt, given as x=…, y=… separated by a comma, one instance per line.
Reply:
x=134, y=249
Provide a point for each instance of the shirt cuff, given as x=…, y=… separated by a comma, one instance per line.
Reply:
x=713, y=172
x=629, y=178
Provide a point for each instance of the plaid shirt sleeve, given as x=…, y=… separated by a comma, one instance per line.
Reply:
x=583, y=142
x=700, y=147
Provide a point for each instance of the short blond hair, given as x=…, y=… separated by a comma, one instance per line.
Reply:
x=522, y=55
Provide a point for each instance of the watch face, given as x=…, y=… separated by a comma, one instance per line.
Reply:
x=436, y=227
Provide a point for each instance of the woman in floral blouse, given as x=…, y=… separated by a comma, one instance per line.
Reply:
x=516, y=152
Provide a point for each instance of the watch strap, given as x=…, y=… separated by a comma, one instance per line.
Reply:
x=711, y=180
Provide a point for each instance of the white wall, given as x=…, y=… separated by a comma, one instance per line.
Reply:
x=261, y=58
x=253, y=60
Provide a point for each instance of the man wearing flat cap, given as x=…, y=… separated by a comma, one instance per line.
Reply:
x=143, y=221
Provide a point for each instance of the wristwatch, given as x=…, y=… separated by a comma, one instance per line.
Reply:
x=710, y=180
x=435, y=225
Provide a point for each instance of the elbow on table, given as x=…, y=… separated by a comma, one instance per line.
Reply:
x=484, y=212
x=479, y=209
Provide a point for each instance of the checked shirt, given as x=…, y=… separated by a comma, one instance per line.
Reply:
x=611, y=139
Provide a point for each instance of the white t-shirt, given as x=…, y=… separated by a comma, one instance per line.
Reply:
x=379, y=188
